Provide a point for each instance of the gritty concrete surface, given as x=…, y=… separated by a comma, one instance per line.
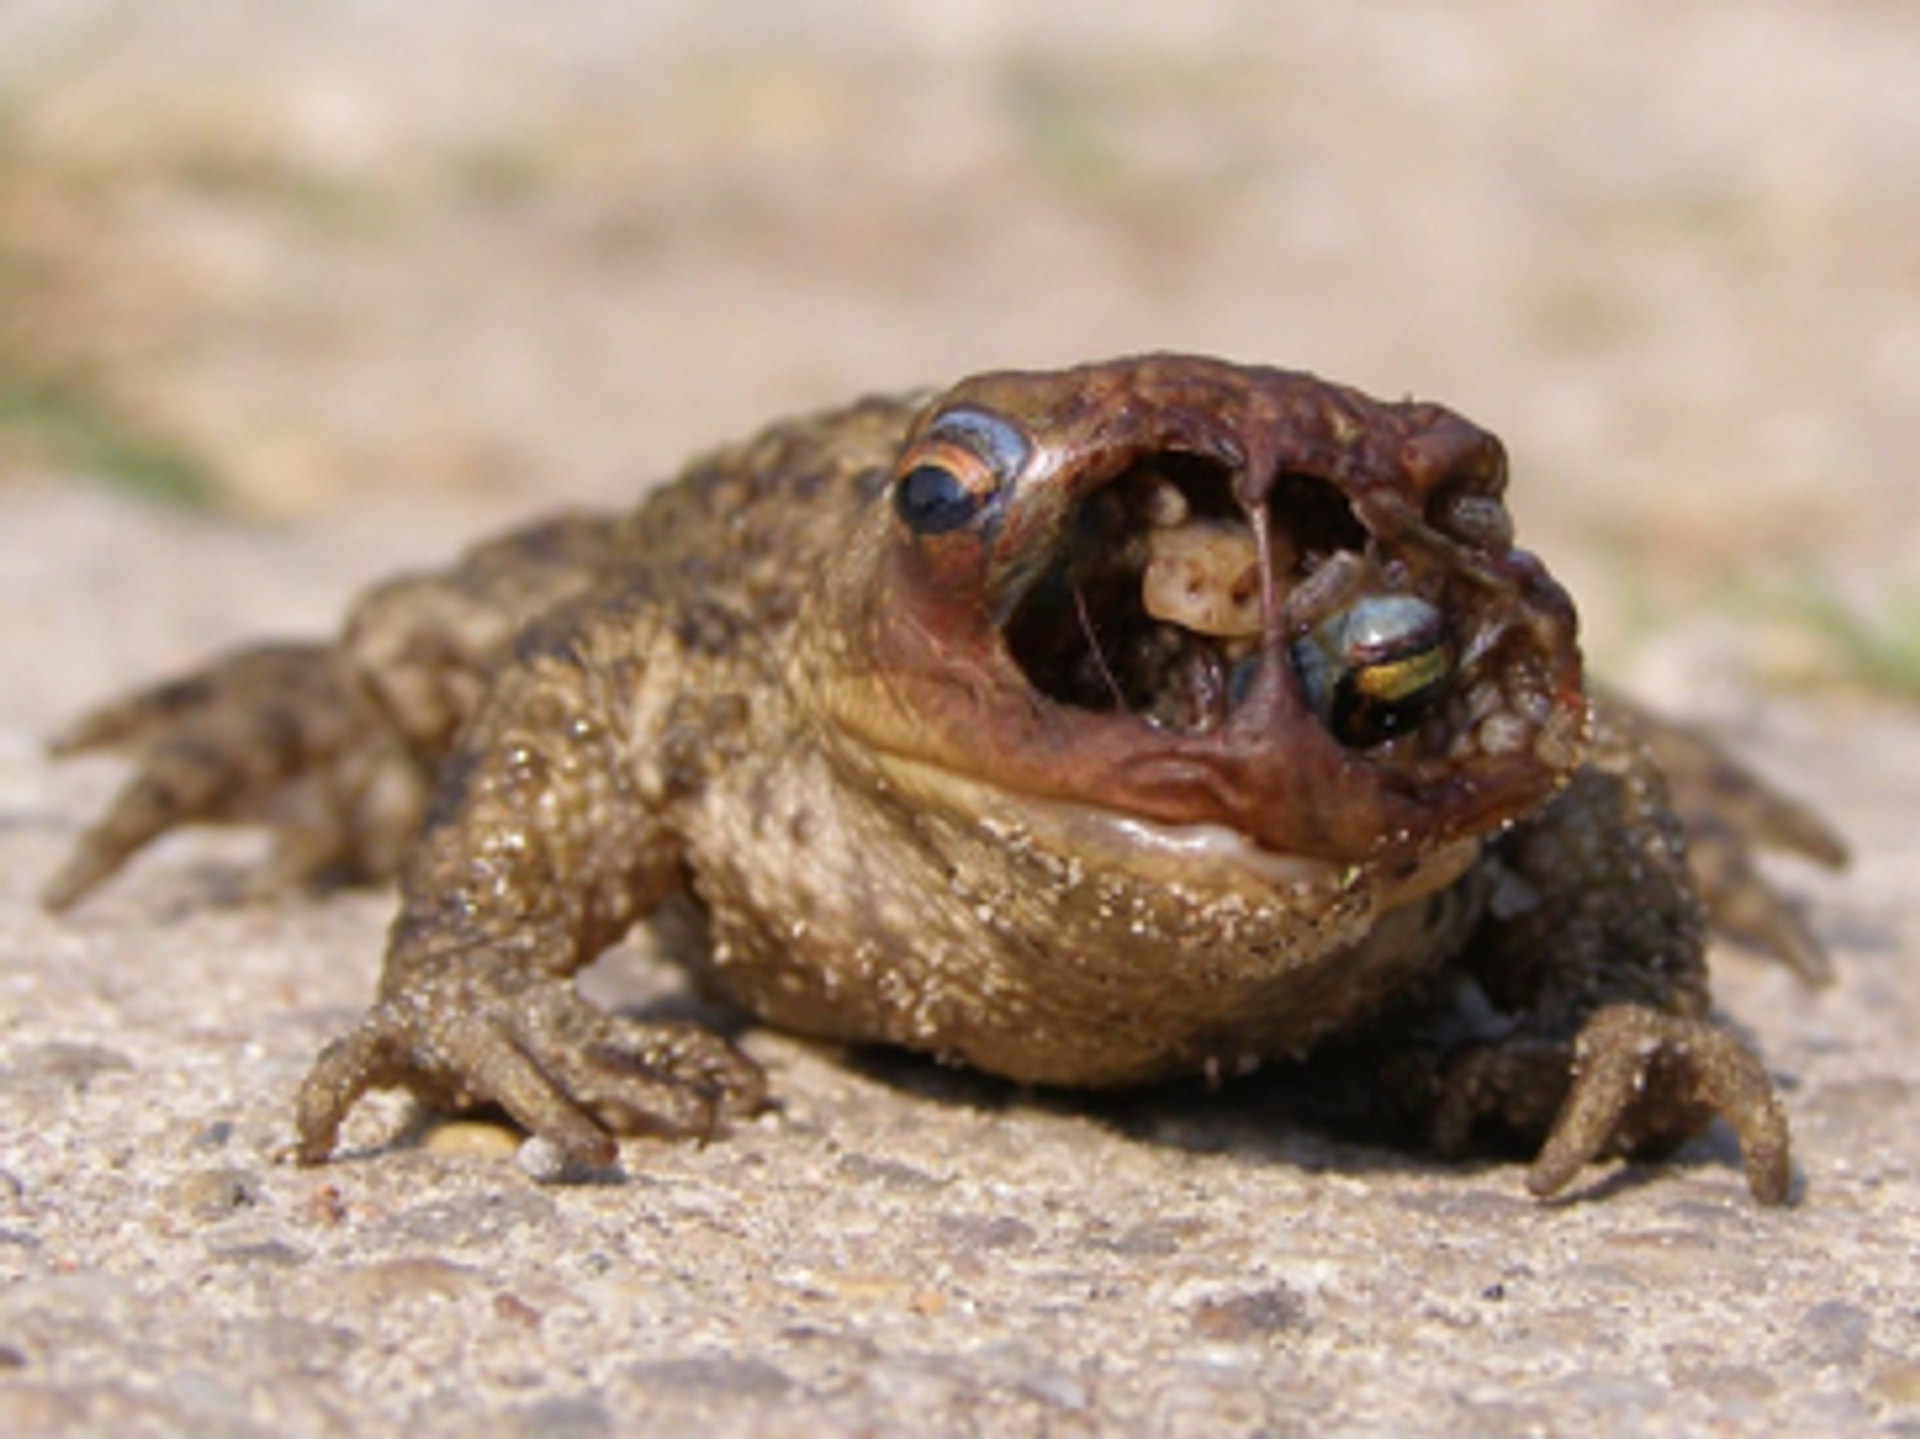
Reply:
x=398, y=274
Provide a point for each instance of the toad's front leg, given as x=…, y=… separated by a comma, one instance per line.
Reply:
x=1594, y=951
x=546, y=841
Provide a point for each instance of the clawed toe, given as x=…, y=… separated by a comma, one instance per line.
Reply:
x=1644, y=1079
x=573, y=1077
x=1635, y=1081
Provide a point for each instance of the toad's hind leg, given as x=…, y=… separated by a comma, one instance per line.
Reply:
x=329, y=745
x=274, y=734
x=1730, y=815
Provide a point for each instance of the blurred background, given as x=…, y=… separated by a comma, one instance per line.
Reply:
x=293, y=261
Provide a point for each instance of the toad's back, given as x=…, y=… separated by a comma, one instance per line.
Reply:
x=748, y=526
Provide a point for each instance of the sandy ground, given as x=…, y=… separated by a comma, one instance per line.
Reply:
x=388, y=276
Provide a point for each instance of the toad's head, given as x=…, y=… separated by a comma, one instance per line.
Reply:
x=1204, y=609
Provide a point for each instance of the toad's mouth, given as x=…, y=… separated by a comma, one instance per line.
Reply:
x=1174, y=597
x=1166, y=592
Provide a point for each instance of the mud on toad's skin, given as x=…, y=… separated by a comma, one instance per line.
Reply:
x=1155, y=717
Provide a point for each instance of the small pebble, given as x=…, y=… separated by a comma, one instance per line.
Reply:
x=214, y=1193
x=542, y=1160
x=473, y=1139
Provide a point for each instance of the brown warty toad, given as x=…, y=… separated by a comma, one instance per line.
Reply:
x=1152, y=718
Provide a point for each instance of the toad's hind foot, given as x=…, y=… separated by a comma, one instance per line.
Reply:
x=1636, y=1081
x=272, y=734
x=1731, y=815
x=567, y=1072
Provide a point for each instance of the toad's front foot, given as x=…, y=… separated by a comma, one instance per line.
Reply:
x=569, y=1073
x=1636, y=1080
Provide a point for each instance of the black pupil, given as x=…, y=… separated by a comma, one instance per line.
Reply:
x=1365, y=720
x=1358, y=719
x=932, y=500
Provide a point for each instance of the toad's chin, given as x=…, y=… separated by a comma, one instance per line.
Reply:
x=1195, y=856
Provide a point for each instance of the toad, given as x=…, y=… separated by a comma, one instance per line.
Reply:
x=1153, y=718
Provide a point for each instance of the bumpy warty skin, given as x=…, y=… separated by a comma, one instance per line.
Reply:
x=881, y=706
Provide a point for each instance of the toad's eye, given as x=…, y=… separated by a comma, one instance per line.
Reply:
x=1371, y=671
x=957, y=471
x=934, y=496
